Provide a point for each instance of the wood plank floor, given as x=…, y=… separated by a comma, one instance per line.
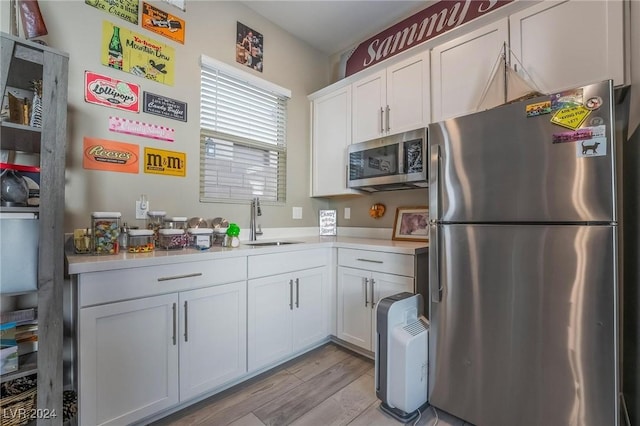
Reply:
x=327, y=386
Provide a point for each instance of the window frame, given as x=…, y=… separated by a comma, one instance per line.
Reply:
x=274, y=151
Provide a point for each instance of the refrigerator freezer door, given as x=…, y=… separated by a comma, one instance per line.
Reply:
x=524, y=333
x=501, y=165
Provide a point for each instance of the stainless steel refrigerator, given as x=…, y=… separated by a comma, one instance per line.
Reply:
x=525, y=269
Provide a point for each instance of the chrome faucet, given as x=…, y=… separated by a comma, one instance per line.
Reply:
x=255, y=211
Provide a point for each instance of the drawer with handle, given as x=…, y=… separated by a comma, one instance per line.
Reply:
x=378, y=261
x=121, y=284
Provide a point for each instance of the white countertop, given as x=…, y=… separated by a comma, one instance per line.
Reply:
x=83, y=263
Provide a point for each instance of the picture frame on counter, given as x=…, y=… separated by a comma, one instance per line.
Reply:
x=411, y=224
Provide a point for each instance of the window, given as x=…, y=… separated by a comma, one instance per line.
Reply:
x=243, y=151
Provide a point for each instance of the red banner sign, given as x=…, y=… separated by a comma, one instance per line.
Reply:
x=416, y=29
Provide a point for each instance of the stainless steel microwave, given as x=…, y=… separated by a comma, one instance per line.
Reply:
x=389, y=163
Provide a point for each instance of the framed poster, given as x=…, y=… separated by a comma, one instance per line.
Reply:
x=249, y=47
x=411, y=224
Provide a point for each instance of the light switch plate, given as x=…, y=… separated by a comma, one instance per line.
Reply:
x=297, y=212
x=347, y=212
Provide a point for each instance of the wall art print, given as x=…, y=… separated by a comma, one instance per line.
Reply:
x=249, y=47
x=163, y=162
x=411, y=224
x=124, y=9
x=139, y=55
x=163, y=23
x=113, y=156
x=139, y=128
x=110, y=92
x=164, y=107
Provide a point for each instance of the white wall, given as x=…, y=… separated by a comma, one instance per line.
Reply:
x=76, y=28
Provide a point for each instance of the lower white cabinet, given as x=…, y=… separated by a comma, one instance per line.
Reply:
x=286, y=313
x=365, y=277
x=213, y=344
x=128, y=364
x=140, y=356
x=358, y=293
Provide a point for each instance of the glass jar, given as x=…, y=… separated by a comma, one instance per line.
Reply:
x=171, y=239
x=141, y=241
x=200, y=238
x=105, y=228
x=176, y=222
x=154, y=221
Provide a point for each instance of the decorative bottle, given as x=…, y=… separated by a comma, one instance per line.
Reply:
x=36, y=104
x=115, y=49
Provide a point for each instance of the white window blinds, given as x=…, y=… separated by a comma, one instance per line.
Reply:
x=242, y=135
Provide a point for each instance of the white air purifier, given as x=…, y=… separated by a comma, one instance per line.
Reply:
x=401, y=362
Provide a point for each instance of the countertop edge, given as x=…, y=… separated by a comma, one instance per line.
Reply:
x=83, y=263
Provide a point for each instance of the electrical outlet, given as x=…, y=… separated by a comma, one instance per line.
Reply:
x=297, y=213
x=347, y=212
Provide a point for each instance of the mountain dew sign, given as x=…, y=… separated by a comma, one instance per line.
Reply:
x=424, y=25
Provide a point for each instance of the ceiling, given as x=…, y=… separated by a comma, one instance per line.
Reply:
x=333, y=26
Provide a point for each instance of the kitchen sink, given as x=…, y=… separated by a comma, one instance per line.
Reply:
x=270, y=243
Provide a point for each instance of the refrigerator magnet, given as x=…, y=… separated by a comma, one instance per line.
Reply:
x=593, y=103
x=596, y=147
x=571, y=117
x=539, y=108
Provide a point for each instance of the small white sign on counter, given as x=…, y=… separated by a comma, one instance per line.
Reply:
x=328, y=224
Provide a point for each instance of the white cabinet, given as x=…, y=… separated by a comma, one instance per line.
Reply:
x=571, y=43
x=393, y=100
x=213, y=345
x=330, y=140
x=461, y=69
x=285, y=315
x=362, y=284
x=182, y=335
x=287, y=312
x=128, y=364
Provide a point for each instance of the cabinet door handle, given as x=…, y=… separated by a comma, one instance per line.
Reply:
x=381, y=120
x=291, y=294
x=186, y=335
x=366, y=292
x=388, y=118
x=177, y=277
x=373, y=304
x=297, y=292
x=174, y=324
x=369, y=260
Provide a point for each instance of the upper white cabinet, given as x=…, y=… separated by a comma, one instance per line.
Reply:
x=571, y=43
x=461, y=69
x=393, y=100
x=330, y=139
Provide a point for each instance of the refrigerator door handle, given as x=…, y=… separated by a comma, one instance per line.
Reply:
x=434, y=267
x=434, y=183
